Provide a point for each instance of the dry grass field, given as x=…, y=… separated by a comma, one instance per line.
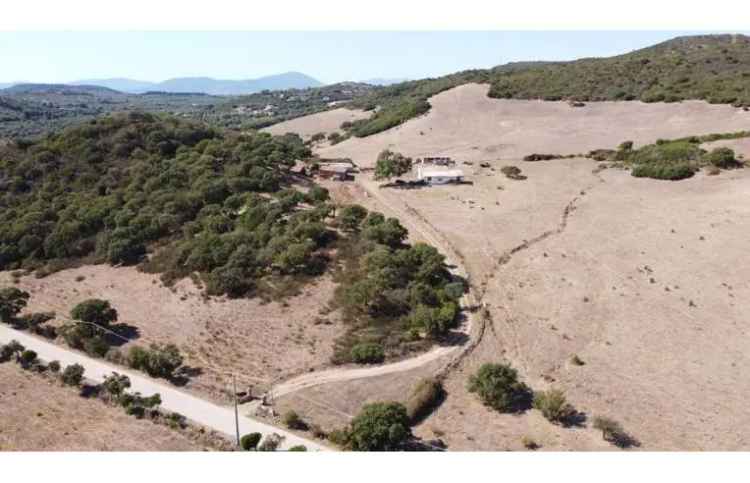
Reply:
x=642, y=279
x=39, y=415
x=260, y=342
x=326, y=122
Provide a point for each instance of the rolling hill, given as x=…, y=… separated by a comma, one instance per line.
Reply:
x=715, y=68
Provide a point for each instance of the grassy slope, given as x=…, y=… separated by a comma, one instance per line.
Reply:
x=715, y=68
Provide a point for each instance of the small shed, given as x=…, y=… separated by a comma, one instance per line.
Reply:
x=336, y=171
x=433, y=175
x=438, y=160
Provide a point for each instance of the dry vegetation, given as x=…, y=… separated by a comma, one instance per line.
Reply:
x=41, y=415
x=623, y=273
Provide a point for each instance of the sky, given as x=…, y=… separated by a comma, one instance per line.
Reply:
x=328, y=56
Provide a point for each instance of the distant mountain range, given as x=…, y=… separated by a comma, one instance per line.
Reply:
x=206, y=85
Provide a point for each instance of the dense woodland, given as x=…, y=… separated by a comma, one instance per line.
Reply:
x=183, y=199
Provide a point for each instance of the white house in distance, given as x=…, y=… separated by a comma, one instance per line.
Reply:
x=439, y=174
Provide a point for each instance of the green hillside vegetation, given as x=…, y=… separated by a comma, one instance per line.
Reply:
x=715, y=68
x=673, y=159
x=185, y=200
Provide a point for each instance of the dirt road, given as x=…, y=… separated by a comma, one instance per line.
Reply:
x=196, y=409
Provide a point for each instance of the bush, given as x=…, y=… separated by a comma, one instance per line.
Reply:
x=553, y=406
x=73, y=375
x=367, y=353
x=249, y=442
x=722, y=158
x=379, y=427
x=512, y=172
x=424, y=397
x=12, y=301
x=54, y=366
x=672, y=172
x=497, y=385
x=10, y=349
x=299, y=447
x=28, y=357
x=157, y=361
x=613, y=432
x=292, y=420
x=270, y=443
x=95, y=311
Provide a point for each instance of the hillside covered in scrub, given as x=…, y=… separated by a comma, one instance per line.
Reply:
x=185, y=200
x=714, y=68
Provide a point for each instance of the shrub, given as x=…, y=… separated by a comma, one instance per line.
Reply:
x=367, y=353
x=54, y=366
x=270, y=443
x=722, y=158
x=28, y=357
x=351, y=216
x=12, y=301
x=529, y=443
x=379, y=427
x=157, y=361
x=613, y=432
x=575, y=360
x=116, y=384
x=512, y=172
x=672, y=172
x=292, y=420
x=299, y=447
x=10, y=349
x=424, y=397
x=553, y=406
x=95, y=311
x=73, y=375
x=249, y=442
x=497, y=385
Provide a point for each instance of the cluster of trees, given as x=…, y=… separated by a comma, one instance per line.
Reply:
x=12, y=301
x=391, y=164
x=673, y=159
x=391, y=292
x=107, y=190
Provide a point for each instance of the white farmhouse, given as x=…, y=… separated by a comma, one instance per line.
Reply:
x=439, y=175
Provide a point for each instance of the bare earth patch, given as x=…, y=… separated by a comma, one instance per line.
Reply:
x=39, y=415
x=644, y=280
x=259, y=342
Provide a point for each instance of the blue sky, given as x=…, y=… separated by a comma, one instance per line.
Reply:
x=327, y=56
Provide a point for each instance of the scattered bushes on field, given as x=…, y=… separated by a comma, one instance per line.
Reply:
x=498, y=387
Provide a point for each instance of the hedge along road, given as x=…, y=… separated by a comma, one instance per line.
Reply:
x=196, y=409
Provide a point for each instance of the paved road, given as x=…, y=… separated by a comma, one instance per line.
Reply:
x=201, y=411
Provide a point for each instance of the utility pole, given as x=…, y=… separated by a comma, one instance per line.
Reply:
x=236, y=411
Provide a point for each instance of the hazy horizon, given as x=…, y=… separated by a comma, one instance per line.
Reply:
x=330, y=57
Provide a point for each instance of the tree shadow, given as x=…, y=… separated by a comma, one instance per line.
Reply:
x=183, y=375
x=88, y=391
x=576, y=419
x=124, y=331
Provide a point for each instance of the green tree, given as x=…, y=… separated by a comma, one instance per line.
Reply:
x=390, y=164
x=95, y=311
x=249, y=442
x=73, y=375
x=350, y=217
x=379, y=427
x=367, y=353
x=497, y=385
x=722, y=158
x=116, y=384
x=12, y=302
